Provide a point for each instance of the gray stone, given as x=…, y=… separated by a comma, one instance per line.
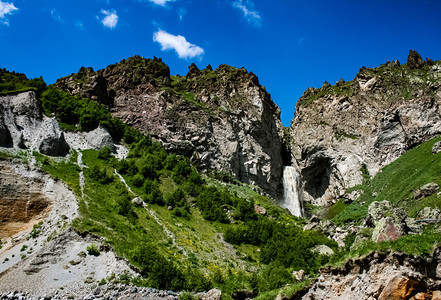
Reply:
x=323, y=250
x=213, y=294
x=138, y=201
x=429, y=213
x=51, y=139
x=426, y=190
x=436, y=147
x=378, y=209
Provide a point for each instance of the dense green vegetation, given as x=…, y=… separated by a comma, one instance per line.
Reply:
x=396, y=183
x=11, y=82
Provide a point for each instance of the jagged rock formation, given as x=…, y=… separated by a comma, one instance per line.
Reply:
x=379, y=276
x=23, y=125
x=224, y=119
x=341, y=131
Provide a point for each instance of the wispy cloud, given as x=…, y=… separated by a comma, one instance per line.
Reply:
x=56, y=15
x=182, y=12
x=6, y=8
x=78, y=24
x=178, y=43
x=110, y=18
x=159, y=2
x=247, y=7
x=301, y=41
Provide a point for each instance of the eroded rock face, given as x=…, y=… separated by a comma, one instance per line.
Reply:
x=22, y=201
x=22, y=125
x=223, y=119
x=371, y=121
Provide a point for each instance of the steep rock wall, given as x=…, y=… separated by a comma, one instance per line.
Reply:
x=370, y=121
x=223, y=119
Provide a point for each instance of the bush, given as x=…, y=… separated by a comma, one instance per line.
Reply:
x=105, y=153
x=92, y=249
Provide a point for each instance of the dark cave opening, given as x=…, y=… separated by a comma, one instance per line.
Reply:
x=317, y=176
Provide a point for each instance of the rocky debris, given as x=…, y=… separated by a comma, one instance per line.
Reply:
x=389, y=222
x=436, y=147
x=426, y=190
x=24, y=125
x=260, y=210
x=106, y=291
x=364, y=124
x=224, y=119
x=378, y=276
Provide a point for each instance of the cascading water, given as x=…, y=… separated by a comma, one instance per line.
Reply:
x=292, y=196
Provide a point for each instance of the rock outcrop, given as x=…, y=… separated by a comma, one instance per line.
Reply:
x=364, y=124
x=223, y=119
x=22, y=125
x=378, y=276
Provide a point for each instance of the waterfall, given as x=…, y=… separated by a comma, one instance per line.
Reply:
x=292, y=194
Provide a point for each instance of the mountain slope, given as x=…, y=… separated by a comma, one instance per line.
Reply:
x=223, y=119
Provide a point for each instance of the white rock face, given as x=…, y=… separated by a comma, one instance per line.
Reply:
x=24, y=125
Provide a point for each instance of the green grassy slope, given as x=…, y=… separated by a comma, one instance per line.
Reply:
x=397, y=183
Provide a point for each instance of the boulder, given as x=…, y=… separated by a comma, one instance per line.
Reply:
x=323, y=250
x=138, y=201
x=260, y=210
x=299, y=275
x=51, y=139
x=426, y=190
x=100, y=138
x=436, y=295
x=429, y=213
x=436, y=147
x=399, y=288
x=387, y=229
x=213, y=294
x=378, y=210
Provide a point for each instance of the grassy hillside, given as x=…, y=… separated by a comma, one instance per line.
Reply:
x=396, y=183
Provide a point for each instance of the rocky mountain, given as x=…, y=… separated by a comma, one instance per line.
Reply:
x=343, y=132
x=91, y=208
x=223, y=119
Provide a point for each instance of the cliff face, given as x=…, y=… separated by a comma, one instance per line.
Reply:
x=364, y=124
x=23, y=125
x=223, y=119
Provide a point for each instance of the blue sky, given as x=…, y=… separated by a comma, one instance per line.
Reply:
x=289, y=44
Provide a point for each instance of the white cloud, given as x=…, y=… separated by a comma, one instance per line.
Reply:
x=247, y=7
x=178, y=43
x=110, y=19
x=56, y=16
x=161, y=2
x=5, y=9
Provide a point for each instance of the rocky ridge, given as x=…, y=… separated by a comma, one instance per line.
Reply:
x=223, y=119
x=352, y=129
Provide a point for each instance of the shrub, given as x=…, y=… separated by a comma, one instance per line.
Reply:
x=92, y=249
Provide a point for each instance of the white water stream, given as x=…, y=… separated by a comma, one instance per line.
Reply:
x=292, y=194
